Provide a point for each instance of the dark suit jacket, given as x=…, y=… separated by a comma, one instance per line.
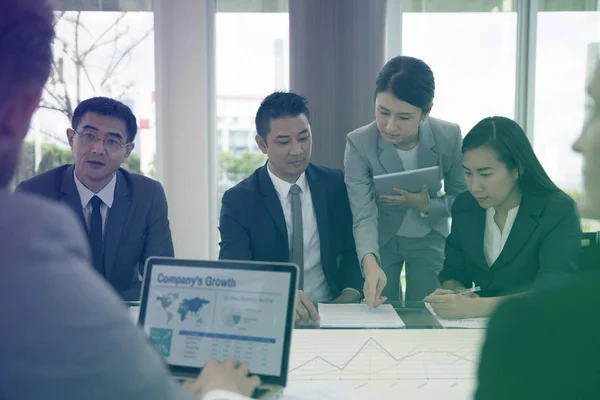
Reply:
x=542, y=248
x=253, y=227
x=544, y=345
x=137, y=225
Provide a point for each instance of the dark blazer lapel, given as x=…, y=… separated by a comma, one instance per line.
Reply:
x=474, y=229
x=70, y=195
x=272, y=201
x=524, y=225
x=319, y=198
x=426, y=156
x=388, y=156
x=116, y=222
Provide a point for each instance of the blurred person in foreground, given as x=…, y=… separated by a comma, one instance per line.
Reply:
x=547, y=345
x=66, y=334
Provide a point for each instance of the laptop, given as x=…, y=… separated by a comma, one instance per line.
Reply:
x=194, y=311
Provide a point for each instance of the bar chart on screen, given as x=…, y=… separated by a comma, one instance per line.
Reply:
x=382, y=364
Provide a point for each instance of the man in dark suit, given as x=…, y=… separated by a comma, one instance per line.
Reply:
x=546, y=345
x=292, y=210
x=124, y=214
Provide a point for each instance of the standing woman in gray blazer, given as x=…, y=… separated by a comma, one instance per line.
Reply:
x=405, y=228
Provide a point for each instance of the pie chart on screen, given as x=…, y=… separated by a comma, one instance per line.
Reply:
x=232, y=315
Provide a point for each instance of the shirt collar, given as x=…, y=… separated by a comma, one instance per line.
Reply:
x=413, y=150
x=282, y=187
x=512, y=213
x=107, y=194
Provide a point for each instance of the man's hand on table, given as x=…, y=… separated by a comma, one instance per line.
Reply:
x=230, y=376
x=306, y=312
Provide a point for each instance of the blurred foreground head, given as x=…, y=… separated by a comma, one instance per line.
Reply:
x=588, y=144
x=26, y=37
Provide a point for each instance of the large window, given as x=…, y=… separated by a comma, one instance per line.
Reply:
x=102, y=48
x=471, y=48
x=568, y=44
x=252, y=55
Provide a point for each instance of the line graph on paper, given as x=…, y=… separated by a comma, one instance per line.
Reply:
x=383, y=364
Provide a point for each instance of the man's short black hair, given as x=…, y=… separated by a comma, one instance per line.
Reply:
x=279, y=105
x=109, y=108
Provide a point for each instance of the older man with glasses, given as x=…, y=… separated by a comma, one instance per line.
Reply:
x=124, y=214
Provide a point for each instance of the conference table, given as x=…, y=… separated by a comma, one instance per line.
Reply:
x=414, y=314
x=420, y=362
x=423, y=361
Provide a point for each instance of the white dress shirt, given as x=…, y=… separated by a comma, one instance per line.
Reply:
x=493, y=239
x=414, y=224
x=315, y=284
x=107, y=195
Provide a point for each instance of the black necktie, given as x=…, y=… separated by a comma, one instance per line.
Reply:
x=96, y=235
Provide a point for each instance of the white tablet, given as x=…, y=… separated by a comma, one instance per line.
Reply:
x=411, y=181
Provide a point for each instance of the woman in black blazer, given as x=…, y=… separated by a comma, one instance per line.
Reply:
x=513, y=231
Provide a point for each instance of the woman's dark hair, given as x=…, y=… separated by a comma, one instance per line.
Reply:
x=408, y=79
x=509, y=141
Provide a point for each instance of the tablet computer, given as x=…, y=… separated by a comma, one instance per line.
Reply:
x=411, y=181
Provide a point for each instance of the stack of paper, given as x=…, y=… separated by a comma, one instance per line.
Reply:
x=358, y=316
x=468, y=323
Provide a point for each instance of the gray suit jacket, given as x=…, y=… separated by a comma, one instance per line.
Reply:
x=137, y=225
x=368, y=154
x=66, y=336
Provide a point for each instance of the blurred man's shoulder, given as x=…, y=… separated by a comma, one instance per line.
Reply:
x=19, y=204
x=25, y=218
x=573, y=298
x=563, y=307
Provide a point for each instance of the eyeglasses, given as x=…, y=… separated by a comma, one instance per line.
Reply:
x=89, y=138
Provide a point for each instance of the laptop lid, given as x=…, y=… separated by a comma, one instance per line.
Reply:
x=194, y=311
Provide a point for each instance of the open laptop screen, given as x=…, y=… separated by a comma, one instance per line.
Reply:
x=193, y=311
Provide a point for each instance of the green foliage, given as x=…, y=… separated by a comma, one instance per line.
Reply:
x=240, y=167
x=575, y=195
x=133, y=164
x=26, y=169
x=234, y=169
x=52, y=157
